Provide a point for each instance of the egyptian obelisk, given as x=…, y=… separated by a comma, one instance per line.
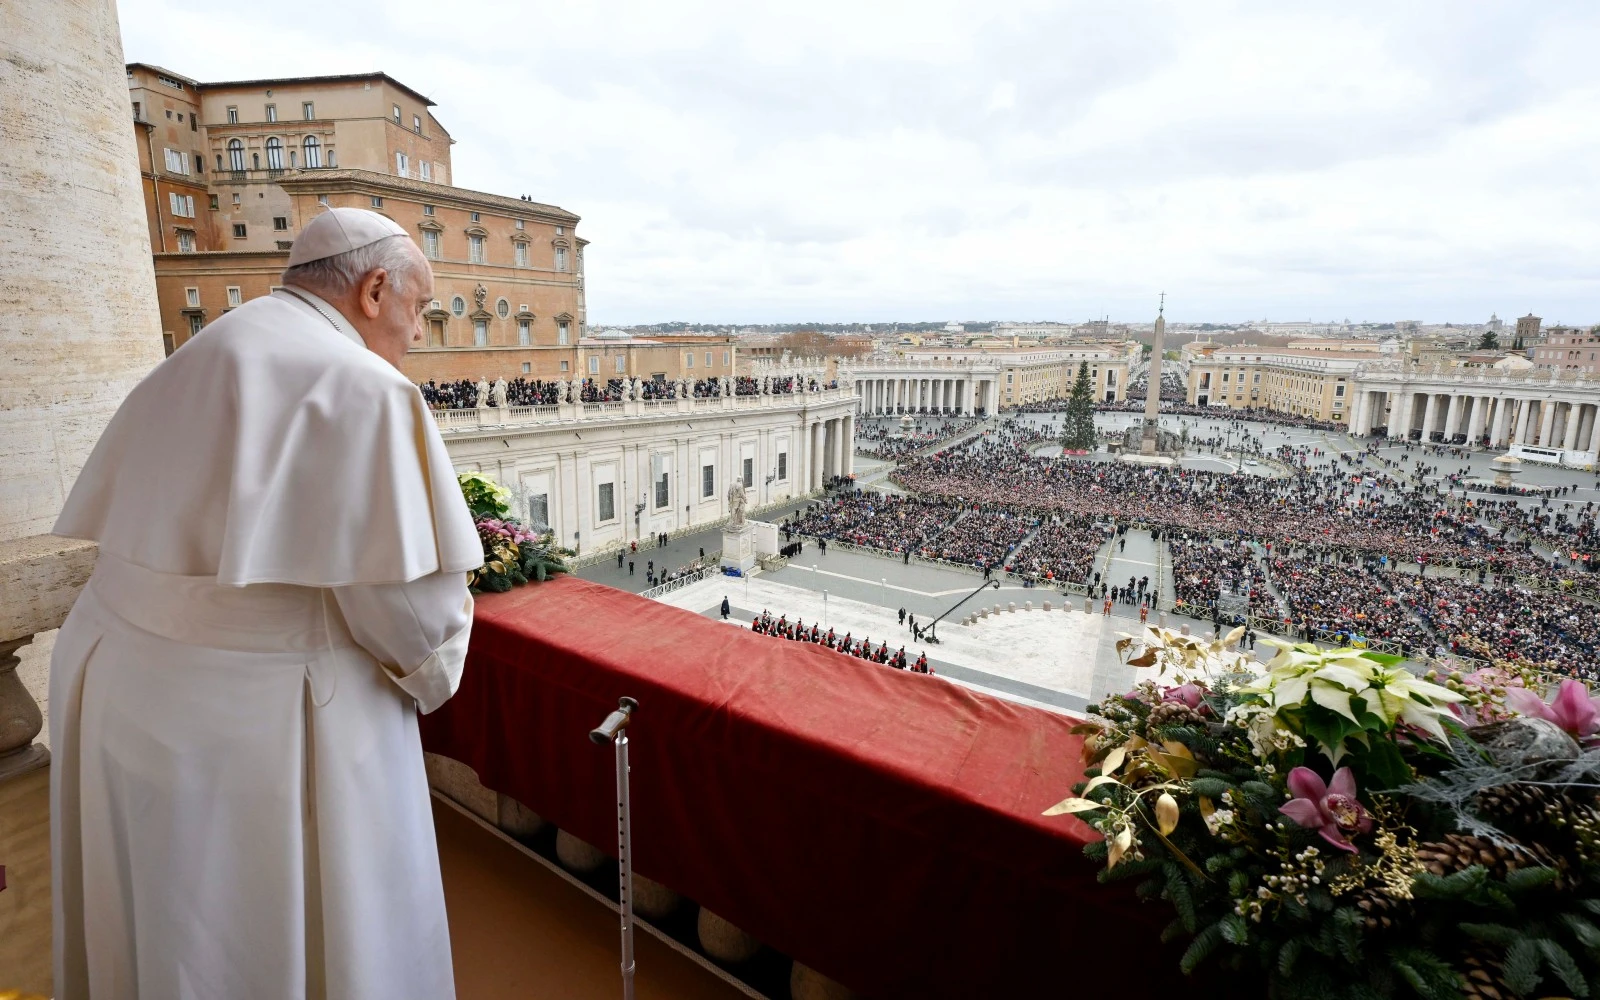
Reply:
x=1152, y=396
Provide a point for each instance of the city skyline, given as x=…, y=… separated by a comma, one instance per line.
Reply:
x=734, y=166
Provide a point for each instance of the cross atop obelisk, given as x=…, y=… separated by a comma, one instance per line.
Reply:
x=1152, y=396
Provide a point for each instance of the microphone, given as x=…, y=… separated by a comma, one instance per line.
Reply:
x=615, y=722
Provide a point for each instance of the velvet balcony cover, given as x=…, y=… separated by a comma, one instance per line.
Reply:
x=880, y=826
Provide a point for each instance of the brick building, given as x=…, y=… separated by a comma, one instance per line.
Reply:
x=232, y=171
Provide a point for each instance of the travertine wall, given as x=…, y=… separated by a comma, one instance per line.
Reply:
x=78, y=319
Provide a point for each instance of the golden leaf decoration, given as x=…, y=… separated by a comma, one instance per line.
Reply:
x=1119, y=847
x=1113, y=760
x=1166, y=814
x=1071, y=806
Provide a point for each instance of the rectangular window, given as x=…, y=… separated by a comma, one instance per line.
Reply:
x=377, y=201
x=396, y=113
x=1338, y=390
x=539, y=511
x=199, y=161
x=708, y=359
x=749, y=473
x=480, y=333
x=519, y=224
x=561, y=230
x=234, y=298
x=233, y=115
x=194, y=122
x=239, y=231
x=783, y=466
x=191, y=297
x=622, y=364
x=563, y=366
x=186, y=242
x=322, y=199
x=424, y=172
x=402, y=165
x=280, y=223
x=308, y=110
x=430, y=243
x=416, y=125
x=476, y=217
x=272, y=112
x=524, y=332
x=708, y=481
x=606, y=502
x=688, y=360
x=527, y=367
x=522, y=255
x=427, y=210
x=475, y=246
x=195, y=323
x=561, y=333
x=594, y=366
x=724, y=357
x=663, y=490
x=177, y=161
x=561, y=258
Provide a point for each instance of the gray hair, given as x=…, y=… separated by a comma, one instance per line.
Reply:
x=342, y=272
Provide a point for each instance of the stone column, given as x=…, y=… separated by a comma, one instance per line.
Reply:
x=1452, y=416
x=1474, y=419
x=1502, y=422
x=847, y=438
x=1524, y=408
x=1571, y=442
x=1358, y=413
x=1397, y=407
x=816, y=455
x=1430, y=409
x=1547, y=422
x=1586, y=427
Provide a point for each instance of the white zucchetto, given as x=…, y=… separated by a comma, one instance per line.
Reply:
x=340, y=230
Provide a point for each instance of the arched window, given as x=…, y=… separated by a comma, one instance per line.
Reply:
x=274, y=153
x=313, y=151
x=458, y=305
x=235, y=154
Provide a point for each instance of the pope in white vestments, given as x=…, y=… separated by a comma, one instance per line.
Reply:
x=240, y=810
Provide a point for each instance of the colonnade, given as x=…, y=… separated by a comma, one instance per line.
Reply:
x=1525, y=418
x=933, y=394
x=832, y=450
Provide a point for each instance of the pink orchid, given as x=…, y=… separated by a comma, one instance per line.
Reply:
x=1331, y=809
x=1188, y=694
x=1573, y=708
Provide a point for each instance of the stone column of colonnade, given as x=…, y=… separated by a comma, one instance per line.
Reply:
x=847, y=425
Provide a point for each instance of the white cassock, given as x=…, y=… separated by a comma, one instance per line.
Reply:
x=238, y=793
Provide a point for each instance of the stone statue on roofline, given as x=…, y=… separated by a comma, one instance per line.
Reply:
x=500, y=393
x=483, y=392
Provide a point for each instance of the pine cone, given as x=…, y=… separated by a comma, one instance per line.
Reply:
x=1523, y=806
x=1457, y=852
x=1483, y=975
x=1171, y=713
x=1382, y=910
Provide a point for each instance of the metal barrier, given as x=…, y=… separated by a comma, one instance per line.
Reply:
x=683, y=581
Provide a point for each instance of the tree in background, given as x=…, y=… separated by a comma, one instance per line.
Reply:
x=1488, y=342
x=1077, y=433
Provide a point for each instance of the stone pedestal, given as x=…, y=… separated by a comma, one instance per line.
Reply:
x=739, y=546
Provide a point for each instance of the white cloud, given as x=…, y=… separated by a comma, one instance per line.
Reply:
x=920, y=160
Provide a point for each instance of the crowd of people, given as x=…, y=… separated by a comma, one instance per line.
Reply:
x=1355, y=546
x=861, y=649
x=885, y=438
x=464, y=394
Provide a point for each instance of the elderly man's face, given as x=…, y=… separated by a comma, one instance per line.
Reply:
x=392, y=309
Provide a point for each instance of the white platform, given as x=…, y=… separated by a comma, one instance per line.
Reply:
x=1056, y=650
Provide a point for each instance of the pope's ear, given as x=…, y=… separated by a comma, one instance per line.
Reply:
x=374, y=285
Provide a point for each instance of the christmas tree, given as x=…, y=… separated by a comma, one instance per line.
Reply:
x=1078, y=430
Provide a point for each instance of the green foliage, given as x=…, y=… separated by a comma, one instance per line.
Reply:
x=1489, y=342
x=484, y=496
x=1078, y=433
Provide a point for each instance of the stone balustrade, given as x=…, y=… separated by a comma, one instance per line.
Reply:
x=40, y=577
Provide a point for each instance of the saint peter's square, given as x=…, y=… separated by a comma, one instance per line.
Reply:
x=531, y=525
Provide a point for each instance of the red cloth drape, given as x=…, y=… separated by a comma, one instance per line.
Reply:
x=881, y=826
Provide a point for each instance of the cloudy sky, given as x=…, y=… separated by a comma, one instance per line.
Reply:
x=878, y=160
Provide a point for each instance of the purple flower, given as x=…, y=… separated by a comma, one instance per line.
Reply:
x=1188, y=694
x=1332, y=809
x=1573, y=708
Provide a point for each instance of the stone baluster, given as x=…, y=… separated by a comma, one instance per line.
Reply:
x=40, y=577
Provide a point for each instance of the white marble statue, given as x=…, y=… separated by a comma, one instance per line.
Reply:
x=500, y=393
x=737, y=501
x=483, y=393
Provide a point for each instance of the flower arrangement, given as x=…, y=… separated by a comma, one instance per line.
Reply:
x=512, y=553
x=1340, y=828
